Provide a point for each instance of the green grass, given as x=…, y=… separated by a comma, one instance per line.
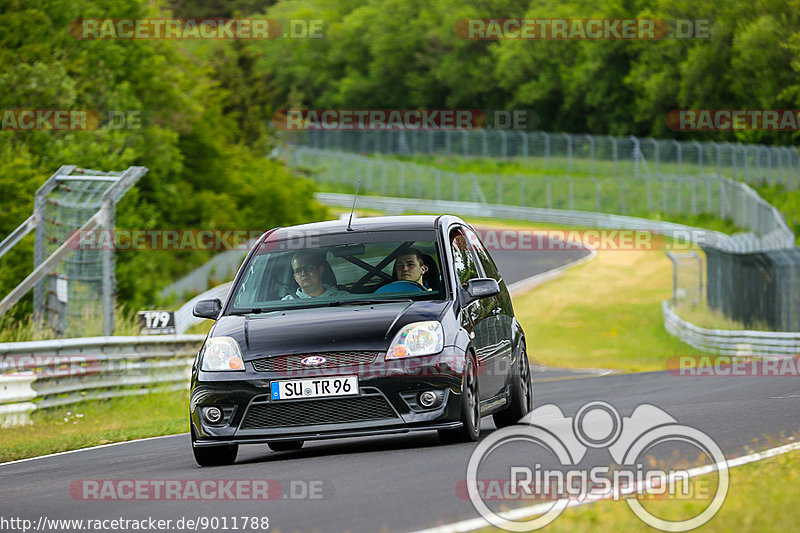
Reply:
x=18, y=330
x=762, y=497
x=93, y=423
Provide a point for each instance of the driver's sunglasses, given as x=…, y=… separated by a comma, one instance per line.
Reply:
x=307, y=269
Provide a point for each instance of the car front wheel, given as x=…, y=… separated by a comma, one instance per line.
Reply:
x=470, y=409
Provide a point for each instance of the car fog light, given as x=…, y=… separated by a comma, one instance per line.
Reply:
x=427, y=399
x=212, y=414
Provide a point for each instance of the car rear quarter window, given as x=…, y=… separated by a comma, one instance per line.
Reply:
x=489, y=267
x=463, y=259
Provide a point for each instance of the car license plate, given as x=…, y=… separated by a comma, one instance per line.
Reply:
x=314, y=388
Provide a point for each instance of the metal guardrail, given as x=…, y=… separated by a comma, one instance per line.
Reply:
x=40, y=374
x=730, y=342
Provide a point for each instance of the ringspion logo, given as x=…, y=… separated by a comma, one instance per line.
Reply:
x=596, y=425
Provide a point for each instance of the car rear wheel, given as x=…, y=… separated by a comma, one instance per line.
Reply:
x=215, y=455
x=470, y=409
x=285, y=446
x=521, y=394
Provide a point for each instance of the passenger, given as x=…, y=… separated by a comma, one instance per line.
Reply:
x=308, y=269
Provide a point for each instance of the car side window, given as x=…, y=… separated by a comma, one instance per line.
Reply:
x=463, y=259
x=489, y=267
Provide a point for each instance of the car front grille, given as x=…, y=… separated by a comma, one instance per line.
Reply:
x=283, y=363
x=271, y=415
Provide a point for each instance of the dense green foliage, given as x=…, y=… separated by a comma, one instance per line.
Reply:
x=405, y=53
x=204, y=134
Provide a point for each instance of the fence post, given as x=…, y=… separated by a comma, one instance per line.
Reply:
x=464, y=143
x=546, y=148
x=678, y=151
x=568, y=137
x=524, y=144
x=622, y=195
x=503, y=144
x=591, y=153
x=484, y=144
x=655, y=150
x=596, y=194
x=614, y=152
x=438, y=185
x=571, y=194
x=719, y=157
x=549, y=195
x=699, y=157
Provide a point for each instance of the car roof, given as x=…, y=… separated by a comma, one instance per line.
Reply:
x=385, y=223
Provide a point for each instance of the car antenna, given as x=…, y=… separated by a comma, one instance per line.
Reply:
x=350, y=222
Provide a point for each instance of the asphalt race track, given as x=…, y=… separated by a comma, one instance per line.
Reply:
x=396, y=483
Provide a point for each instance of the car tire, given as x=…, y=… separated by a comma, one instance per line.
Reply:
x=521, y=394
x=215, y=455
x=285, y=446
x=470, y=409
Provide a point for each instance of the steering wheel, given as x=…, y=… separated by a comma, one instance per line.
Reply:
x=401, y=286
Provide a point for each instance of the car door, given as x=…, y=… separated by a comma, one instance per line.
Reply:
x=477, y=316
x=501, y=323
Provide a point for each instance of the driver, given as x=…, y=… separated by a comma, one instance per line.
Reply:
x=308, y=268
x=410, y=266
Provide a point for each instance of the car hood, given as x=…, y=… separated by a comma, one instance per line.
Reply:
x=326, y=329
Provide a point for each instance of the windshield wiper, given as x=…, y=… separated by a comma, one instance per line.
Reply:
x=252, y=311
x=337, y=303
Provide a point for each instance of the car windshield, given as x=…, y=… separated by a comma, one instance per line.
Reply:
x=340, y=269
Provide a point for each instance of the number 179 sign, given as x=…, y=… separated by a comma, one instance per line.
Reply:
x=156, y=322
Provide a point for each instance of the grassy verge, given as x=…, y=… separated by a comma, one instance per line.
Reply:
x=603, y=314
x=700, y=315
x=16, y=330
x=99, y=422
x=762, y=497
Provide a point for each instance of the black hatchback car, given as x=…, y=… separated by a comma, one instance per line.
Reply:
x=385, y=325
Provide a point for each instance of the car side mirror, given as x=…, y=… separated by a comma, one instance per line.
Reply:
x=478, y=288
x=207, y=309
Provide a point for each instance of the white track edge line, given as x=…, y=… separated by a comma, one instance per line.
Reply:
x=472, y=524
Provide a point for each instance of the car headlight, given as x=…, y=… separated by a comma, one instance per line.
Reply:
x=222, y=353
x=419, y=338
